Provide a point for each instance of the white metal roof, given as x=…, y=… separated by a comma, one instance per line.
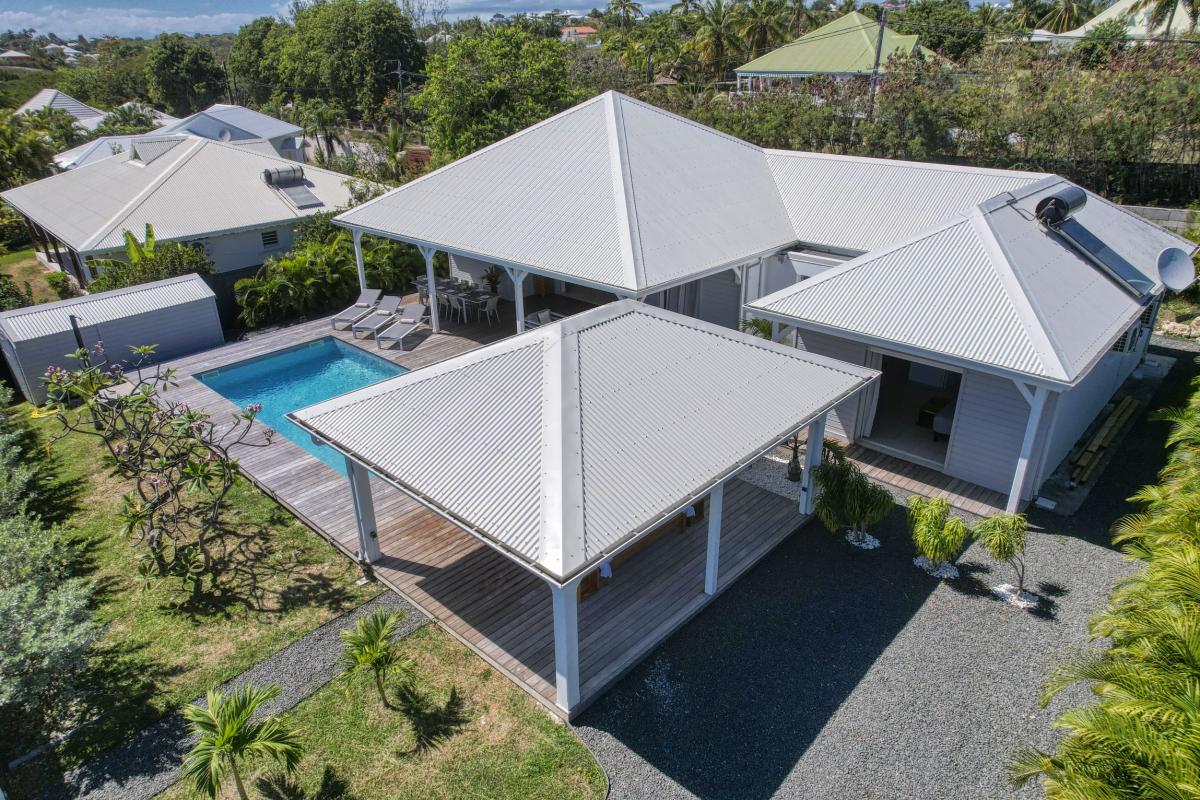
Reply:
x=47, y=319
x=53, y=98
x=862, y=204
x=241, y=121
x=96, y=149
x=13, y=54
x=612, y=192
x=561, y=444
x=185, y=186
x=991, y=288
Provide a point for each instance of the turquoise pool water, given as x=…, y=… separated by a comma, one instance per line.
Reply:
x=291, y=379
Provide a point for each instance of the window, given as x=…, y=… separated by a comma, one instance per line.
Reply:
x=270, y=239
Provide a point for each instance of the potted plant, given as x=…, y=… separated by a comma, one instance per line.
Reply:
x=1003, y=536
x=849, y=501
x=937, y=534
x=491, y=276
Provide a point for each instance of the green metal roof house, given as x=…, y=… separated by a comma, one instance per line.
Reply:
x=845, y=46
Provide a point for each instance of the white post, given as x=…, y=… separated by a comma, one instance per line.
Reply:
x=814, y=451
x=716, y=500
x=566, y=644
x=434, y=322
x=776, y=331
x=518, y=280
x=1031, y=425
x=362, y=272
x=364, y=512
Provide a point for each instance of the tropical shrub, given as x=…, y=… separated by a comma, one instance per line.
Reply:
x=60, y=284
x=148, y=261
x=848, y=500
x=371, y=647
x=228, y=734
x=13, y=296
x=1003, y=536
x=1140, y=737
x=937, y=534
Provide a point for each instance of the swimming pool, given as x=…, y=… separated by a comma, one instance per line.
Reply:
x=295, y=377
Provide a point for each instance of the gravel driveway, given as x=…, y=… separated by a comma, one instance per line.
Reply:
x=830, y=672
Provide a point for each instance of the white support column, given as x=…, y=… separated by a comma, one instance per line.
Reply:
x=518, y=280
x=358, y=259
x=1036, y=404
x=814, y=451
x=364, y=512
x=565, y=600
x=716, y=501
x=434, y=322
x=776, y=331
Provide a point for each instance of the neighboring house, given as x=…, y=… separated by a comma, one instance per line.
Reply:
x=179, y=315
x=87, y=117
x=15, y=58
x=1137, y=25
x=665, y=210
x=576, y=33
x=844, y=48
x=210, y=195
x=70, y=54
x=237, y=124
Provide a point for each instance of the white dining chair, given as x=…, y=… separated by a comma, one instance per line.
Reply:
x=491, y=309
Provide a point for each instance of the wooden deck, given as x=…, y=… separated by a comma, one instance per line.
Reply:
x=918, y=479
x=495, y=607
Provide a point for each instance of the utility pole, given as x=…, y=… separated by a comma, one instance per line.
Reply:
x=883, y=15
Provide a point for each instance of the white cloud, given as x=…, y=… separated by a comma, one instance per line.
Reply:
x=99, y=20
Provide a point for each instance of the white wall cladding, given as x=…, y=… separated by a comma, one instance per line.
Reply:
x=989, y=424
x=844, y=417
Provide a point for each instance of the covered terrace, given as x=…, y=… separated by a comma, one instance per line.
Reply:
x=613, y=195
x=580, y=477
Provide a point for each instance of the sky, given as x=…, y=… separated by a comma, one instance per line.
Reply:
x=148, y=18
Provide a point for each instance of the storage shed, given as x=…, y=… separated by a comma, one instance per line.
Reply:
x=179, y=315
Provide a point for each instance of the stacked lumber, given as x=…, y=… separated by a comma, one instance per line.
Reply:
x=1087, y=460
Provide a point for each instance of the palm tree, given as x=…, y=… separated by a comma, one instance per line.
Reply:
x=625, y=10
x=394, y=142
x=371, y=647
x=1003, y=536
x=719, y=37
x=1162, y=12
x=800, y=18
x=320, y=118
x=685, y=7
x=1025, y=14
x=763, y=25
x=228, y=735
x=1066, y=15
x=25, y=154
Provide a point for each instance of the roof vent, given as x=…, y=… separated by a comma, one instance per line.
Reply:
x=1052, y=211
x=290, y=175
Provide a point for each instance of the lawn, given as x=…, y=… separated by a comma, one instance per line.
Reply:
x=23, y=267
x=278, y=581
x=461, y=730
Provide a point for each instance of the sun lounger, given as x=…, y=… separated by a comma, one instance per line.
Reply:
x=411, y=318
x=539, y=318
x=383, y=315
x=362, y=306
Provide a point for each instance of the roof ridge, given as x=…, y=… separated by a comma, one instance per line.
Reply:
x=678, y=118
x=141, y=197
x=627, y=217
x=933, y=166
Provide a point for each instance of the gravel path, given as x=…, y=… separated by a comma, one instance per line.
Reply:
x=148, y=762
x=830, y=672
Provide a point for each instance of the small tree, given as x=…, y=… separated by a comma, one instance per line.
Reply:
x=371, y=646
x=228, y=735
x=177, y=459
x=849, y=501
x=1003, y=536
x=937, y=534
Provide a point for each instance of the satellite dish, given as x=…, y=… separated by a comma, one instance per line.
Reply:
x=225, y=135
x=1175, y=269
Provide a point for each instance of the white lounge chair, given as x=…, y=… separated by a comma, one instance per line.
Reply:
x=383, y=315
x=411, y=318
x=539, y=318
x=362, y=306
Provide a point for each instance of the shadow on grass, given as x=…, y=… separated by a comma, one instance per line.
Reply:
x=279, y=787
x=54, y=498
x=432, y=723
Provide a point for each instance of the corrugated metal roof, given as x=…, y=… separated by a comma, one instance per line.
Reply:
x=192, y=189
x=863, y=204
x=561, y=444
x=613, y=192
x=96, y=149
x=844, y=46
x=53, y=98
x=47, y=319
x=255, y=124
x=992, y=288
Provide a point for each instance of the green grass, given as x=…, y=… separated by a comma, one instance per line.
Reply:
x=278, y=581
x=461, y=731
x=23, y=267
